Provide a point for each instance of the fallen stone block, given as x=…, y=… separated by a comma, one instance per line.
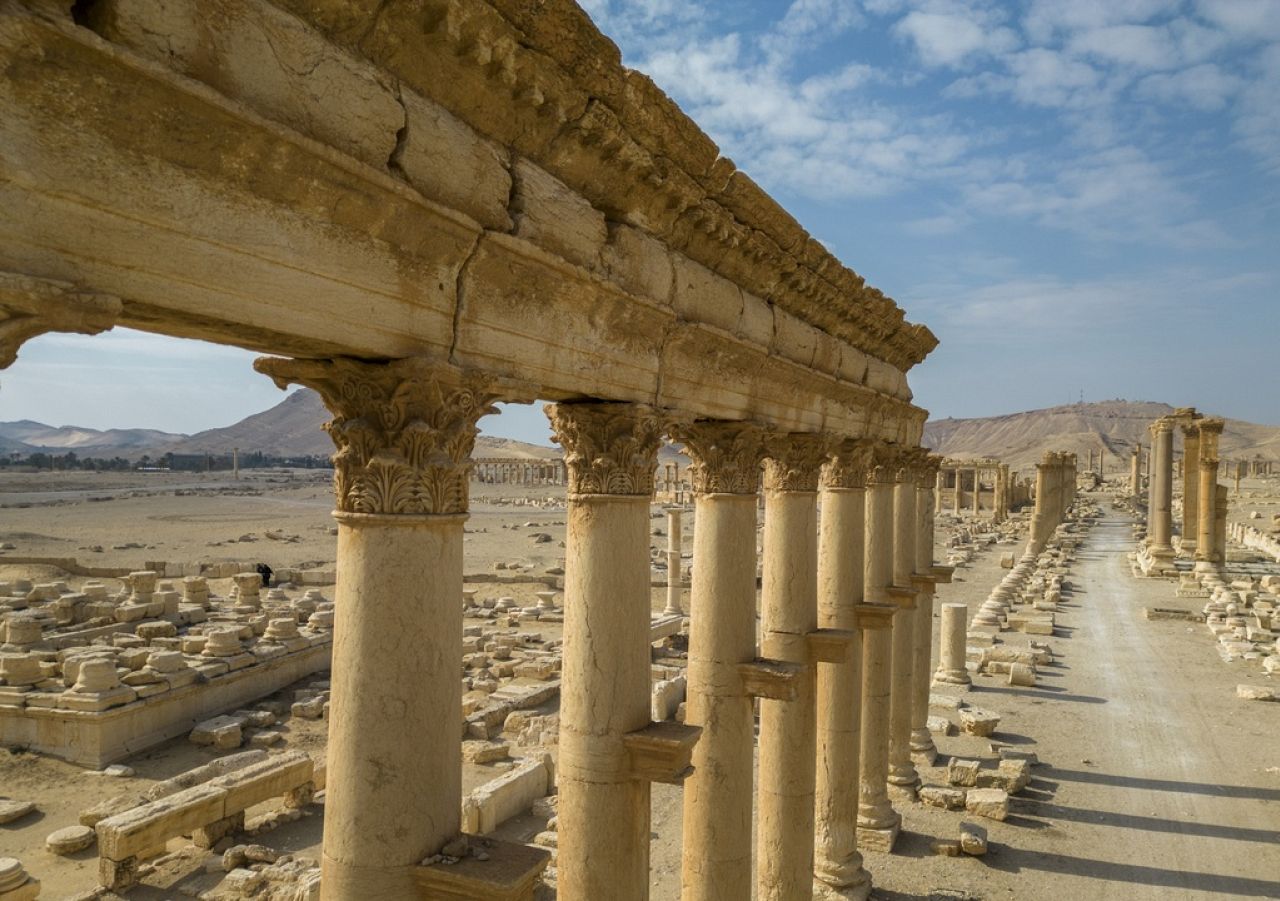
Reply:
x=12, y=810
x=963, y=772
x=939, y=725
x=976, y=721
x=1256, y=693
x=941, y=796
x=223, y=732
x=946, y=848
x=992, y=803
x=973, y=839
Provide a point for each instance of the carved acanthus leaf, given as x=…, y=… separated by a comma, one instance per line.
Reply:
x=609, y=448
x=404, y=429
x=725, y=455
x=886, y=461
x=794, y=460
x=847, y=463
x=33, y=306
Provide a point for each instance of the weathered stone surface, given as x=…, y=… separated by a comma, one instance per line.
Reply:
x=940, y=725
x=547, y=212
x=1256, y=693
x=444, y=159
x=223, y=732
x=702, y=296
x=269, y=60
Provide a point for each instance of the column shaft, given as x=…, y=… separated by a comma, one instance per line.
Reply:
x=838, y=870
x=1190, y=487
x=922, y=746
x=902, y=772
x=716, y=860
x=789, y=614
x=1160, y=529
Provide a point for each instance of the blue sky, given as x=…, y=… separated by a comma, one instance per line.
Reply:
x=1077, y=196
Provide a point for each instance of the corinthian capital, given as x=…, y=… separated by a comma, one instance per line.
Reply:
x=609, y=448
x=725, y=455
x=886, y=461
x=847, y=464
x=404, y=429
x=34, y=306
x=794, y=460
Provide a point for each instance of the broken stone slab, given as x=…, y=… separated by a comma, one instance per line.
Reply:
x=973, y=839
x=945, y=702
x=946, y=848
x=1010, y=753
x=1257, y=693
x=942, y=796
x=70, y=839
x=1021, y=674
x=976, y=721
x=992, y=803
x=1014, y=775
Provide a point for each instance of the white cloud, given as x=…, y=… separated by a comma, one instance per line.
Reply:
x=1257, y=20
x=1204, y=87
x=1138, y=46
x=951, y=39
x=1258, y=122
x=1047, y=19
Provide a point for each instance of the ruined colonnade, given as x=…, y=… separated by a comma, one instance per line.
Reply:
x=495, y=471
x=1005, y=492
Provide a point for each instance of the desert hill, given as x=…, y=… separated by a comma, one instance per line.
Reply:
x=26, y=437
x=1020, y=439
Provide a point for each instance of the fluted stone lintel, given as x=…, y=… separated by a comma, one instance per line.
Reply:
x=725, y=456
x=404, y=429
x=609, y=448
x=794, y=460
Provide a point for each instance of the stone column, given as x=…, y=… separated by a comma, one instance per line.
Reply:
x=789, y=617
x=1135, y=473
x=404, y=432
x=611, y=450
x=977, y=492
x=675, y=578
x=955, y=498
x=838, y=872
x=923, y=579
x=878, y=823
x=1040, y=516
x=1208, y=555
x=903, y=779
x=952, y=646
x=1190, y=486
x=1160, y=527
x=716, y=861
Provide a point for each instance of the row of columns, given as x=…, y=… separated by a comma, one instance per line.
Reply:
x=950, y=475
x=1203, y=499
x=518, y=472
x=840, y=666
x=1055, y=492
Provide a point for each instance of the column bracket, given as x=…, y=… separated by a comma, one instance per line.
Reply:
x=942, y=574
x=661, y=752
x=776, y=680
x=830, y=645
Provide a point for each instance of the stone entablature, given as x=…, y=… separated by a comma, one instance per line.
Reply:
x=460, y=150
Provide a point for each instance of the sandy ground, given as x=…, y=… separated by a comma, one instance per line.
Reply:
x=1156, y=782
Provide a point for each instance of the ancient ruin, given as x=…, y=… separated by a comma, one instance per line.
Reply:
x=741, y=635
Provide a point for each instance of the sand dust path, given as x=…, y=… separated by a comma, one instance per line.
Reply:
x=1157, y=780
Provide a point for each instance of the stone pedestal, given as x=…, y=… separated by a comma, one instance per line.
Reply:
x=611, y=453
x=952, y=646
x=838, y=872
x=404, y=432
x=716, y=860
x=789, y=616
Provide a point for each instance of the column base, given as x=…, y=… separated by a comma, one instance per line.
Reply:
x=906, y=791
x=879, y=839
x=952, y=677
x=857, y=890
x=923, y=751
